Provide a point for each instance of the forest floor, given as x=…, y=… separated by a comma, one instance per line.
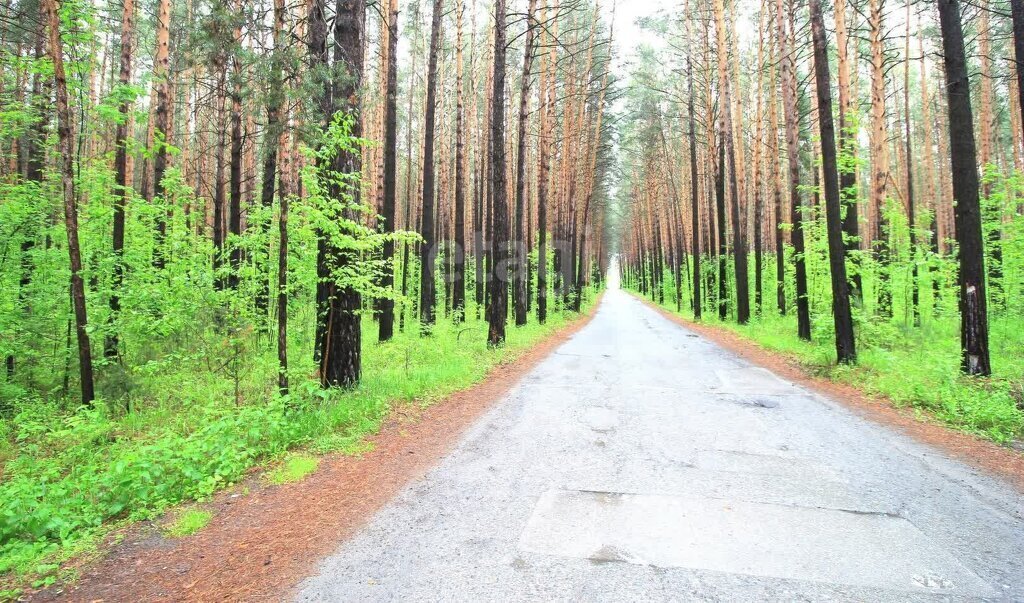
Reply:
x=565, y=475
x=263, y=538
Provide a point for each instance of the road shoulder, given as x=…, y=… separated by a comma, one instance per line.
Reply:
x=972, y=450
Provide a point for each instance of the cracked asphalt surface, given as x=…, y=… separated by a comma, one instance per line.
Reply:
x=640, y=462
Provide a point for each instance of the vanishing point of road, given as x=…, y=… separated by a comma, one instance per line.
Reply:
x=641, y=462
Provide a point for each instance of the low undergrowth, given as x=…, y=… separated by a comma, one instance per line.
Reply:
x=184, y=432
x=293, y=469
x=188, y=522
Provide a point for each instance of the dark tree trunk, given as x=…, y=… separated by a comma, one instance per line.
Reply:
x=694, y=202
x=219, y=201
x=339, y=356
x=111, y=344
x=792, y=119
x=428, y=249
x=911, y=210
x=498, y=266
x=162, y=116
x=723, y=265
x=547, y=116
x=408, y=200
x=1017, y=7
x=758, y=247
x=235, y=196
x=739, y=243
x=272, y=137
x=845, y=344
x=967, y=209
x=386, y=326
x=271, y=172
x=458, y=298
x=65, y=142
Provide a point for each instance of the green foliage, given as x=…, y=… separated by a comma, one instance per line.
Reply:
x=188, y=522
x=188, y=434
x=293, y=469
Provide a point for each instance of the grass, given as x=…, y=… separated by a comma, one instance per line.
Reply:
x=293, y=469
x=915, y=367
x=188, y=522
x=196, y=425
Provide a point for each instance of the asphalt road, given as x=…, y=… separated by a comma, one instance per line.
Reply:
x=640, y=462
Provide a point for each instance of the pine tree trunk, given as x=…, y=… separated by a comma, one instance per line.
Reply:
x=967, y=210
x=908, y=164
x=792, y=117
x=547, y=91
x=235, y=195
x=847, y=150
x=498, y=266
x=519, y=270
x=111, y=345
x=340, y=340
x=694, y=198
x=161, y=119
x=845, y=343
x=386, y=326
x=458, y=298
x=723, y=262
x=879, y=159
x=428, y=249
x=991, y=211
x=65, y=144
x=271, y=143
x=1017, y=9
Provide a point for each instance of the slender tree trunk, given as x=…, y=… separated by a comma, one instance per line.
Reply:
x=879, y=159
x=845, y=343
x=758, y=188
x=739, y=244
x=547, y=91
x=908, y=164
x=386, y=326
x=219, y=202
x=428, y=250
x=694, y=199
x=408, y=192
x=111, y=344
x=282, y=265
x=162, y=119
x=967, y=210
x=723, y=288
x=792, y=117
x=991, y=210
x=272, y=138
x=235, y=195
x=1017, y=8
x=498, y=266
x=65, y=142
x=459, y=281
x=519, y=270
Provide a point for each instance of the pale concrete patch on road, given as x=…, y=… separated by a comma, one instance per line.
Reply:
x=777, y=541
x=767, y=464
x=753, y=380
